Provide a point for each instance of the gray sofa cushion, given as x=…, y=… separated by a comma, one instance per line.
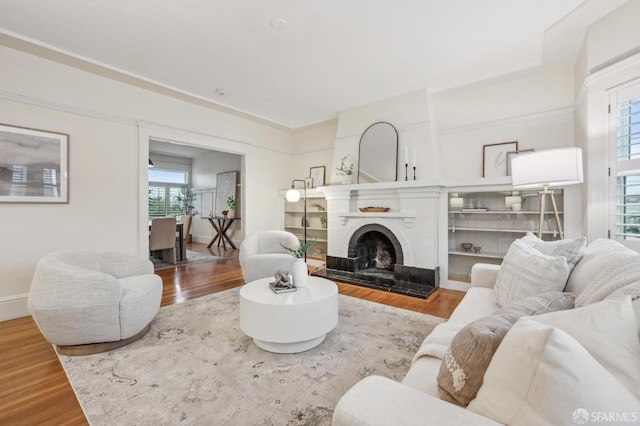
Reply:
x=471, y=350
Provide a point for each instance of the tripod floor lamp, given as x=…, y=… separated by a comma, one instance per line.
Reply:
x=293, y=195
x=546, y=169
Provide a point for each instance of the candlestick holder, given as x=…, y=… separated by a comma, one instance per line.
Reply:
x=406, y=171
x=414, y=172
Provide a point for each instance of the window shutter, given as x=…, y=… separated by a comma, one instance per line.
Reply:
x=626, y=164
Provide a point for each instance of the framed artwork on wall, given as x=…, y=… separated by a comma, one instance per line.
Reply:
x=33, y=166
x=511, y=155
x=494, y=158
x=225, y=188
x=317, y=176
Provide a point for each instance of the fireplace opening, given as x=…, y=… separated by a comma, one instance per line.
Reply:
x=375, y=260
x=375, y=255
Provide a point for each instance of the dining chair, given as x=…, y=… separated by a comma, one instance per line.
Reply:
x=186, y=228
x=163, y=237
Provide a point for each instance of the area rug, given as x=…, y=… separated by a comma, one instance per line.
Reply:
x=192, y=257
x=196, y=367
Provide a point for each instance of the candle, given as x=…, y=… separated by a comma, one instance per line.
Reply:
x=406, y=155
x=414, y=157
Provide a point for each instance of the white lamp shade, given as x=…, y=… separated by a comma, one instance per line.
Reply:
x=551, y=167
x=293, y=195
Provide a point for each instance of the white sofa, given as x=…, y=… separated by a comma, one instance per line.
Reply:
x=378, y=400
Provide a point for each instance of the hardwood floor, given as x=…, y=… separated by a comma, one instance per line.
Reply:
x=34, y=389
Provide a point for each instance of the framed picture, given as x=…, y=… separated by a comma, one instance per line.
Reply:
x=317, y=176
x=511, y=155
x=33, y=166
x=225, y=188
x=494, y=158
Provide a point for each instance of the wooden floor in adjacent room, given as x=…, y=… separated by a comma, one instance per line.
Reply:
x=34, y=389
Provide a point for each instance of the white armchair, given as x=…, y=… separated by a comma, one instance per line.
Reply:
x=100, y=300
x=261, y=254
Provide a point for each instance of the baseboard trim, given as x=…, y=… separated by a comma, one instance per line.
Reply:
x=12, y=307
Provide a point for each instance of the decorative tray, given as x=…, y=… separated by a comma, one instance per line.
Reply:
x=373, y=209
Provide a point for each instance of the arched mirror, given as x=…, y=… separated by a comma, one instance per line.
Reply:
x=378, y=160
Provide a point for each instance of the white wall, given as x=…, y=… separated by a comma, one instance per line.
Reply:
x=312, y=147
x=609, y=58
x=614, y=37
x=109, y=124
x=205, y=168
x=533, y=108
x=409, y=114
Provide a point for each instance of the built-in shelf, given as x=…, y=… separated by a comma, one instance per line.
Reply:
x=508, y=212
x=493, y=227
x=474, y=254
x=454, y=229
x=308, y=212
x=293, y=219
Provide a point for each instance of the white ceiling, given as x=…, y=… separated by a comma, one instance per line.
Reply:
x=334, y=55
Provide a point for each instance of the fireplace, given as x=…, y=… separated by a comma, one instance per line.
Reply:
x=375, y=250
x=375, y=260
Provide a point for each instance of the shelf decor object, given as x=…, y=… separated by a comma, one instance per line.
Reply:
x=548, y=168
x=494, y=158
x=374, y=209
x=317, y=176
x=293, y=195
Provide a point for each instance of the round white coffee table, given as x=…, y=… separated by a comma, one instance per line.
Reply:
x=288, y=322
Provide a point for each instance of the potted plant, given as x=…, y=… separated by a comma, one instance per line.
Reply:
x=323, y=221
x=231, y=203
x=299, y=270
x=185, y=199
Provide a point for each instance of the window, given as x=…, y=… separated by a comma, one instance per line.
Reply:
x=625, y=164
x=164, y=188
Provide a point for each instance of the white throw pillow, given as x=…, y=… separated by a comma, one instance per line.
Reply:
x=614, y=277
x=596, y=256
x=542, y=375
x=526, y=272
x=571, y=249
x=609, y=331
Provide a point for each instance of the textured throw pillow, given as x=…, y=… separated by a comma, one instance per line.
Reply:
x=470, y=351
x=570, y=249
x=540, y=375
x=621, y=273
x=526, y=272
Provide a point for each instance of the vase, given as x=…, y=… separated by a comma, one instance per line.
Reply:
x=300, y=273
x=346, y=179
x=231, y=214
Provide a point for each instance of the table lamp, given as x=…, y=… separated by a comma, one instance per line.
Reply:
x=548, y=168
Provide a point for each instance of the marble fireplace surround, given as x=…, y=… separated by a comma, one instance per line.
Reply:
x=412, y=218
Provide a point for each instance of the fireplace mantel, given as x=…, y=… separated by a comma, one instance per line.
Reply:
x=407, y=217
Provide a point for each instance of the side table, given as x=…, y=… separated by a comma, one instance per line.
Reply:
x=221, y=229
